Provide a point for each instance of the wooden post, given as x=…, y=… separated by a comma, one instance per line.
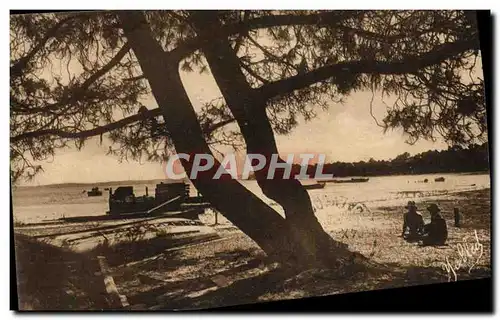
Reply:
x=456, y=212
x=216, y=222
x=118, y=301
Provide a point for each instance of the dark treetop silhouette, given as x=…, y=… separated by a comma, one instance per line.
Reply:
x=453, y=160
x=73, y=76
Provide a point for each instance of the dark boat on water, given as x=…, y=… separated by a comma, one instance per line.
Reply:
x=352, y=180
x=318, y=185
x=95, y=192
x=440, y=179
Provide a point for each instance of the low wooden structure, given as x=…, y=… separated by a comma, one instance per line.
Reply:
x=168, y=197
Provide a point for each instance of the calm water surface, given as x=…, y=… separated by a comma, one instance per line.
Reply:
x=32, y=204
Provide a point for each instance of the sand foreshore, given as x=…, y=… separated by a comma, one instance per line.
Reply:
x=232, y=270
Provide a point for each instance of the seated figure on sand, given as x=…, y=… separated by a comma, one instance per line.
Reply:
x=436, y=232
x=413, y=221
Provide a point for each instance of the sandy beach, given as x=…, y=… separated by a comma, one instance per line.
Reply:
x=233, y=270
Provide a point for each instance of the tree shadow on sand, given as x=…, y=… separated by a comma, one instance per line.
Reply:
x=52, y=279
x=283, y=284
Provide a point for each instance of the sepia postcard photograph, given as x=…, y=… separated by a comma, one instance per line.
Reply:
x=201, y=159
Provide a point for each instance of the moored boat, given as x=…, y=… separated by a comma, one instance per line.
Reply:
x=352, y=180
x=168, y=197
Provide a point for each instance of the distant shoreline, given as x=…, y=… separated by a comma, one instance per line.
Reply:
x=99, y=184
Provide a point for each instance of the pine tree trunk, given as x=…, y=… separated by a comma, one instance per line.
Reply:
x=250, y=113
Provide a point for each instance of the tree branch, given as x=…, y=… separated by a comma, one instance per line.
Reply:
x=218, y=125
x=323, y=18
x=107, y=67
x=253, y=73
x=84, y=86
x=87, y=133
x=271, y=56
x=407, y=65
x=139, y=77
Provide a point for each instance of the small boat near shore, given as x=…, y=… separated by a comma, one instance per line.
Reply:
x=352, y=180
x=440, y=179
x=317, y=185
x=167, y=197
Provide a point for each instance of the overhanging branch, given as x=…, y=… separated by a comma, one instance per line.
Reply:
x=81, y=88
x=107, y=67
x=17, y=68
x=403, y=66
x=105, y=128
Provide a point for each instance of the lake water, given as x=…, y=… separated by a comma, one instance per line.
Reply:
x=33, y=204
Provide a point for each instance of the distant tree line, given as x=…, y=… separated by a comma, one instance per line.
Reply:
x=454, y=159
